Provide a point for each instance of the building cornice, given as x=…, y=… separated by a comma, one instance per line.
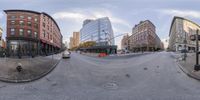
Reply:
x=30, y=11
x=177, y=17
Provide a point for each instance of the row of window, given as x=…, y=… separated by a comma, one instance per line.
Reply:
x=49, y=21
x=30, y=33
x=44, y=25
x=143, y=27
x=22, y=23
x=139, y=37
x=23, y=17
x=47, y=35
x=22, y=31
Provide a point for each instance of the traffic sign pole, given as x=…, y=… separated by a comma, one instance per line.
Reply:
x=197, y=66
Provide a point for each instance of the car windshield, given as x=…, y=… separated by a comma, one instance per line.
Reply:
x=99, y=49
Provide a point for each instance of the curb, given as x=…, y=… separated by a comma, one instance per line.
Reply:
x=33, y=79
x=187, y=72
x=125, y=56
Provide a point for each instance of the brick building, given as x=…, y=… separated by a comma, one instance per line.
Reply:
x=144, y=37
x=32, y=33
x=125, y=42
x=75, y=40
x=71, y=42
x=76, y=36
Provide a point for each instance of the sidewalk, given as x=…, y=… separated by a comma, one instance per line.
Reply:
x=126, y=56
x=117, y=56
x=188, y=66
x=32, y=68
x=90, y=54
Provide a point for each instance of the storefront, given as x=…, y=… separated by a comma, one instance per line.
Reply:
x=101, y=49
x=22, y=48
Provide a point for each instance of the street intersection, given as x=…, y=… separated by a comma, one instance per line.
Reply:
x=152, y=76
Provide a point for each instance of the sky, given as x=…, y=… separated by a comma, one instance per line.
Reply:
x=124, y=14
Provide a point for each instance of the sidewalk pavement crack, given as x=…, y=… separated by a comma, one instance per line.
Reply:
x=48, y=79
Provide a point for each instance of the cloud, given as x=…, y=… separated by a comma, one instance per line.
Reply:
x=81, y=14
x=1, y=15
x=182, y=13
x=69, y=15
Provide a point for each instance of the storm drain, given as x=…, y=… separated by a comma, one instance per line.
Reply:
x=111, y=86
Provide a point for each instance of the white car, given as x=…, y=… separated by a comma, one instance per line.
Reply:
x=66, y=54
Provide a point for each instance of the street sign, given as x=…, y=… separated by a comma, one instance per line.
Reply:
x=193, y=37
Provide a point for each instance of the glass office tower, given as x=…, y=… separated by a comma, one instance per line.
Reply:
x=99, y=30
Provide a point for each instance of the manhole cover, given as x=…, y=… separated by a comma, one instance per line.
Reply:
x=145, y=68
x=111, y=85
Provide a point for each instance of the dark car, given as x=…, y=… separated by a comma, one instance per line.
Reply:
x=184, y=51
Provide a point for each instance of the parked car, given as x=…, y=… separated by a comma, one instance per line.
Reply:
x=66, y=54
x=184, y=51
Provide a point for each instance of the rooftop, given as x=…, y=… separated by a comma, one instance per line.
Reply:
x=177, y=17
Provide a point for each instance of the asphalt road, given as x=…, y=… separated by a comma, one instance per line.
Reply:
x=154, y=76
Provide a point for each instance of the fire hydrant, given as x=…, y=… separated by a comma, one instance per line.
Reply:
x=19, y=67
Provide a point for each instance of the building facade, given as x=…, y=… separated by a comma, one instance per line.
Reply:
x=1, y=33
x=144, y=37
x=180, y=32
x=99, y=30
x=71, y=42
x=66, y=45
x=125, y=42
x=74, y=40
x=32, y=33
x=159, y=44
x=2, y=42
